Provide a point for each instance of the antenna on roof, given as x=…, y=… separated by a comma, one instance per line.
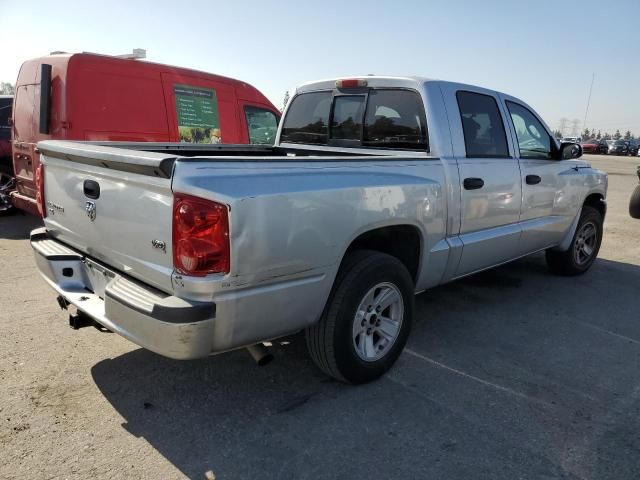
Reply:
x=136, y=54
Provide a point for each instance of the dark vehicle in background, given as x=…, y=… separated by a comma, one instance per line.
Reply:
x=603, y=147
x=632, y=147
x=590, y=146
x=634, y=203
x=7, y=182
x=617, y=147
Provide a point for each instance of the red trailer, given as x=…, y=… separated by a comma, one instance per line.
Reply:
x=7, y=181
x=97, y=97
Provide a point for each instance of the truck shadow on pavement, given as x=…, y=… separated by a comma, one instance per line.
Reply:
x=18, y=225
x=512, y=373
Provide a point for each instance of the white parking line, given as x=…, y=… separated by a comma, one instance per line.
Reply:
x=476, y=379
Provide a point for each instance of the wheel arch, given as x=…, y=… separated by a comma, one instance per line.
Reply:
x=597, y=201
x=593, y=199
x=404, y=241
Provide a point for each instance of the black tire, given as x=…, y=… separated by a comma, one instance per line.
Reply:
x=570, y=262
x=634, y=203
x=331, y=341
x=7, y=184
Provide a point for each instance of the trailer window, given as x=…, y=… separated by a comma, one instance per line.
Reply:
x=307, y=119
x=395, y=119
x=5, y=114
x=262, y=125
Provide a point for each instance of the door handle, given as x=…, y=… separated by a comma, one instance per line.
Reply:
x=473, y=183
x=91, y=189
x=533, y=179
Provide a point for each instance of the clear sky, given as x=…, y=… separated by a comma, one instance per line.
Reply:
x=542, y=51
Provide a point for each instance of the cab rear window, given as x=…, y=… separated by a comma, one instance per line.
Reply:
x=375, y=118
x=307, y=119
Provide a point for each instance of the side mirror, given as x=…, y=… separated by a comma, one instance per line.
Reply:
x=570, y=150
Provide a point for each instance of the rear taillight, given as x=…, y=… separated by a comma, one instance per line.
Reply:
x=42, y=210
x=200, y=236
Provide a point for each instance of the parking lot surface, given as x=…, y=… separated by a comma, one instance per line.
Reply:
x=511, y=373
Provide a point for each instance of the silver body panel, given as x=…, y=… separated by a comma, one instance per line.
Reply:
x=293, y=218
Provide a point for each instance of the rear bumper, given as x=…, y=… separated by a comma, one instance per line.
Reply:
x=165, y=324
x=24, y=203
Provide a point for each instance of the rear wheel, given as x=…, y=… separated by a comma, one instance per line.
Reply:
x=367, y=319
x=584, y=248
x=634, y=203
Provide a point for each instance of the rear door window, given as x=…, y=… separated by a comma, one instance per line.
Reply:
x=484, y=134
x=262, y=125
x=307, y=119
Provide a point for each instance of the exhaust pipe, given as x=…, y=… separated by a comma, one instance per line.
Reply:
x=260, y=354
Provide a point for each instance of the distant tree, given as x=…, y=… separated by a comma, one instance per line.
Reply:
x=598, y=136
x=607, y=136
x=617, y=135
x=7, y=88
x=586, y=134
x=557, y=134
x=627, y=135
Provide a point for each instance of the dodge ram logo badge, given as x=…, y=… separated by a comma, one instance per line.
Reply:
x=90, y=208
x=159, y=244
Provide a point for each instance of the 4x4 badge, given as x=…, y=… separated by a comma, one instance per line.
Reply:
x=90, y=208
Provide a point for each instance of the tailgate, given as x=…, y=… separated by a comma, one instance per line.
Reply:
x=113, y=204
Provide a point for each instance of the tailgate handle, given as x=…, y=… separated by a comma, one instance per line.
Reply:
x=92, y=189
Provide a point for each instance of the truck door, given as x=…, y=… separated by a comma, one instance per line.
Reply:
x=200, y=110
x=490, y=179
x=547, y=210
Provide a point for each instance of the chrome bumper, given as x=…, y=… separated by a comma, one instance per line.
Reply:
x=165, y=324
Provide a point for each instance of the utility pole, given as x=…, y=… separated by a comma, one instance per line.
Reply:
x=584, y=124
x=563, y=126
x=574, y=126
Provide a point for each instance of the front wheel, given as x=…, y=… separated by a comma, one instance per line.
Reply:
x=584, y=248
x=367, y=319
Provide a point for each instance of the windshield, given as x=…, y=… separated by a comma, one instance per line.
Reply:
x=620, y=142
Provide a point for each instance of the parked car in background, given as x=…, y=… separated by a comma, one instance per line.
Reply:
x=7, y=182
x=377, y=188
x=97, y=97
x=617, y=147
x=571, y=139
x=589, y=146
x=632, y=147
x=603, y=146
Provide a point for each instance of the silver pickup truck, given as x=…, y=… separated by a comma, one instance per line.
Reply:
x=377, y=188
